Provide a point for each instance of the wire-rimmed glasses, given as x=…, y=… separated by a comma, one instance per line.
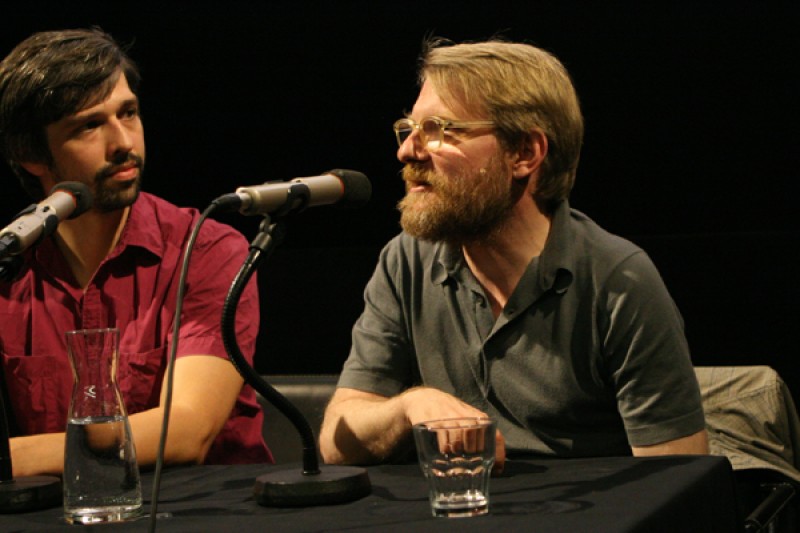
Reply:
x=431, y=129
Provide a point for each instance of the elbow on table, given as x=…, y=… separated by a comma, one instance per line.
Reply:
x=191, y=441
x=188, y=452
x=333, y=455
x=328, y=450
x=338, y=446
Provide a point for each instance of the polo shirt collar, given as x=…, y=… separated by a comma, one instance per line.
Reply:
x=556, y=263
x=447, y=261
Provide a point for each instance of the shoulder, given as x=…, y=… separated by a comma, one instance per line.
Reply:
x=591, y=237
x=616, y=270
x=174, y=224
x=601, y=251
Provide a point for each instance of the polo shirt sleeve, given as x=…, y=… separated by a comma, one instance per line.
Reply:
x=381, y=359
x=218, y=255
x=647, y=355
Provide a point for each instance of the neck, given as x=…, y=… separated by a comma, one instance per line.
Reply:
x=88, y=239
x=499, y=263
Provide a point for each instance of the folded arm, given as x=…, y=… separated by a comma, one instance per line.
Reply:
x=205, y=389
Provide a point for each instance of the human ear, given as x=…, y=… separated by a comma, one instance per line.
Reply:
x=40, y=170
x=530, y=155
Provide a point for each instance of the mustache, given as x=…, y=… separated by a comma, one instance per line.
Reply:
x=112, y=168
x=413, y=173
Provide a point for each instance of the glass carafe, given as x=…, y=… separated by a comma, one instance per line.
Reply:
x=101, y=476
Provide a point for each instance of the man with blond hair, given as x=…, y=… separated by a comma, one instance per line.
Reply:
x=498, y=299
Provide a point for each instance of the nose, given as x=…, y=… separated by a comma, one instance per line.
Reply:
x=412, y=149
x=119, y=138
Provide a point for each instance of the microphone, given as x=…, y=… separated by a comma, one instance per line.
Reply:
x=346, y=188
x=66, y=200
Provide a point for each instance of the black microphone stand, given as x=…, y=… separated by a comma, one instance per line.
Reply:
x=10, y=267
x=313, y=485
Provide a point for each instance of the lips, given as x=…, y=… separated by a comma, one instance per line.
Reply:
x=123, y=173
x=418, y=186
x=416, y=180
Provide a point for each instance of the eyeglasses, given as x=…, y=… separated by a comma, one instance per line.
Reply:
x=431, y=129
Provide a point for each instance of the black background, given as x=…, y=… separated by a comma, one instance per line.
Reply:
x=691, y=144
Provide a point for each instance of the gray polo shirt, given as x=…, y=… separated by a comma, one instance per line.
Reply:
x=587, y=358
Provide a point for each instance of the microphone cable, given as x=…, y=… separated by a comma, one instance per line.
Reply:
x=171, y=364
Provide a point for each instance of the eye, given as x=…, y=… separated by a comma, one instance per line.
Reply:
x=130, y=112
x=90, y=125
x=403, y=128
x=449, y=133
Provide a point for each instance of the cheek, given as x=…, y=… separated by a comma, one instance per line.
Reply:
x=72, y=164
x=451, y=164
x=472, y=154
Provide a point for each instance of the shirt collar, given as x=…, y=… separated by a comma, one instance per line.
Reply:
x=556, y=262
x=142, y=228
x=447, y=261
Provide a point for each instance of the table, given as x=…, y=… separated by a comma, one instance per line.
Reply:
x=614, y=494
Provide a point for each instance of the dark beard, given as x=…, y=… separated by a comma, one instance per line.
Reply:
x=108, y=198
x=459, y=209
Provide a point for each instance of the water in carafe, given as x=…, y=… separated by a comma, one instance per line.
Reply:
x=101, y=476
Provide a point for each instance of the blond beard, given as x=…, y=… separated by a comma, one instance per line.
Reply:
x=458, y=209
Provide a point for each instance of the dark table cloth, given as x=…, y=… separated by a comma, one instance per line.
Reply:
x=616, y=494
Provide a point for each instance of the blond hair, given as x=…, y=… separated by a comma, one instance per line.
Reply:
x=521, y=88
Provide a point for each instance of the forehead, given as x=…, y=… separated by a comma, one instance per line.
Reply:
x=120, y=93
x=119, y=96
x=449, y=104
x=434, y=102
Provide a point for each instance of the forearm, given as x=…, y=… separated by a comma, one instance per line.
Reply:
x=204, y=393
x=361, y=427
x=695, y=444
x=188, y=441
x=205, y=390
x=363, y=430
x=37, y=454
x=189, y=436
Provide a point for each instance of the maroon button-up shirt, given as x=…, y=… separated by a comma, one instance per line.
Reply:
x=135, y=290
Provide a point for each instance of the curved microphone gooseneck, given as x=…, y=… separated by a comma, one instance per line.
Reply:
x=313, y=485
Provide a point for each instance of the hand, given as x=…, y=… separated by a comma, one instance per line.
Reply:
x=422, y=404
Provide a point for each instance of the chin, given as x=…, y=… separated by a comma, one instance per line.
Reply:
x=108, y=201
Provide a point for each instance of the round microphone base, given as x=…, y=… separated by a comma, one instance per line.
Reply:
x=292, y=488
x=30, y=493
